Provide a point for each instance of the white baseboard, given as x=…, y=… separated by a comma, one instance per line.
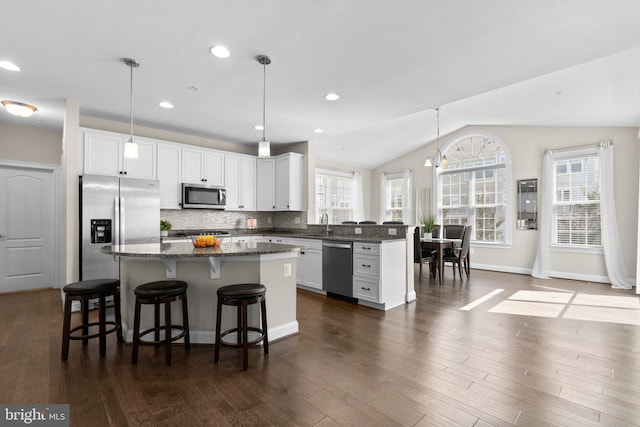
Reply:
x=208, y=337
x=556, y=274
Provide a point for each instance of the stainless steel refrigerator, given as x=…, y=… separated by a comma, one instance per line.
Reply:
x=115, y=211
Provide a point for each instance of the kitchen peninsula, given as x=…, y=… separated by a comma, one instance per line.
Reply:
x=206, y=270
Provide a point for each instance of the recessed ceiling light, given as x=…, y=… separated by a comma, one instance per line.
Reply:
x=9, y=66
x=332, y=97
x=220, y=51
x=318, y=130
x=258, y=127
x=165, y=104
x=19, y=109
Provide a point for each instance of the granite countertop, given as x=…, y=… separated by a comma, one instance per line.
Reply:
x=186, y=250
x=293, y=233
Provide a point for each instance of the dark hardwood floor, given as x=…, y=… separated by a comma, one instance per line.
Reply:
x=426, y=363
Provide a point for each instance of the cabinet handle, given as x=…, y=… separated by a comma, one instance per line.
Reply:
x=366, y=265
x=301, y=253
x=125, y=172
x=366, y=248
x=365, y=289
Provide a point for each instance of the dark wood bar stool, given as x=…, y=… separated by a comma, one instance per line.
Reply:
x=241, y=296
x=156, y=293
x=84, y=291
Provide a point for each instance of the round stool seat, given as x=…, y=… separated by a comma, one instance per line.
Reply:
x=91, y=286
x=240, y=291
x=161, y=289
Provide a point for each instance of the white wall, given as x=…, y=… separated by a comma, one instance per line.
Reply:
x=526, y=146
x=30, y=144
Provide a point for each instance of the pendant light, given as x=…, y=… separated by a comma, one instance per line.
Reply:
x=264, y=148
x=439, y=159
x=130, y=147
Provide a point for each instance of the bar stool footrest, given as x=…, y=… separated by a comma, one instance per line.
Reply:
x=239, y=330
x=97, y=334
x=161, y=341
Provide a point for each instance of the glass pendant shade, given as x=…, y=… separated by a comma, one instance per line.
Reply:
x=130, y=149
x=264, y=148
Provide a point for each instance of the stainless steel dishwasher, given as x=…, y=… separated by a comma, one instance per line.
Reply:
x=337, y=268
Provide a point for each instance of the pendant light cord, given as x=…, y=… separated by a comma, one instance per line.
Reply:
x=131, y=100
x=264, y=98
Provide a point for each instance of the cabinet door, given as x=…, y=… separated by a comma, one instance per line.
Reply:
x=169, y=176
x=313, y=268
x=102, y=153
x=232, y=178
x=192, y=161
x=213, y=168
x=248, y=184
x=266, y=184
x=282, y=183
x=145, y=165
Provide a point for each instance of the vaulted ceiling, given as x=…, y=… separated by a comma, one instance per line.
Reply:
x=542, y=62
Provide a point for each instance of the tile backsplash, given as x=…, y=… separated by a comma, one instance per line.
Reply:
x=200, y=219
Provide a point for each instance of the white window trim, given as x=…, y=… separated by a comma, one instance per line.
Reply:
x=333, y=173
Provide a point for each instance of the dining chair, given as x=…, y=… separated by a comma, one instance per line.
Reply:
x=435, y=231
x=393, y=223
x=452, y=231
x=349, y=222
x=367, y=222
x=460, y=256
x=422, y=256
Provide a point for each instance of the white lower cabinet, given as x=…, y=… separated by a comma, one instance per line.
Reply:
x=309, y=266
x=380, y=274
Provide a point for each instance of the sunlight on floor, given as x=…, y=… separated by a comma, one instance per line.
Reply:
x=567, y=305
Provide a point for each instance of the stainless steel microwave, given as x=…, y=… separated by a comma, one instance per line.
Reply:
x=198, y=196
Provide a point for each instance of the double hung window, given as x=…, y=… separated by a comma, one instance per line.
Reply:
x=334, y=196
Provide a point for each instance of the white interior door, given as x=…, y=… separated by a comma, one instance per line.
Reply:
x=26, y=228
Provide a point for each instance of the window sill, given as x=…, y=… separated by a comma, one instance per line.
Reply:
x=491, y=245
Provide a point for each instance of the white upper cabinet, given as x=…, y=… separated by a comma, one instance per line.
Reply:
x=266, y=184
x=104, y=155
x=240, y=182
x=169, y=175
x=289, y=180
x=202, y=166
x=280, y=183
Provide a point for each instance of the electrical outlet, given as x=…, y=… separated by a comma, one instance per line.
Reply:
x=268, y=220
x=296, y=220
x=471, y=251
x=287, y=270
x=392, y=232
x=357, y=230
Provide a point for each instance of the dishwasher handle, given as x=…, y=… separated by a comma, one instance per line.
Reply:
x=336, y=245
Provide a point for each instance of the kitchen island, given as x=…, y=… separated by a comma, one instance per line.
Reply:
x=206, y=270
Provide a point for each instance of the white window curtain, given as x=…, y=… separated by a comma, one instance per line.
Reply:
x=383, y=197
x=358, y=196
x=542, y=265
x=610, y=241
x=407, y=209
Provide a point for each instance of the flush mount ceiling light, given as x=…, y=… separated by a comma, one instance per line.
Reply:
x=130, y=147
x=264, y=146
x=220, y=51
x=332, y=97
x=165, y=104
x=19, y=109
x=318, y=130
x=258, y=127
x=439, y=159
x=9, y=66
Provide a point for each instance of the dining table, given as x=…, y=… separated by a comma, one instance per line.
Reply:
x=440, y=245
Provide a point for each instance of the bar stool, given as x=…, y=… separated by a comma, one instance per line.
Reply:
x=241, y=296
x=156, y=293
x=84, y=291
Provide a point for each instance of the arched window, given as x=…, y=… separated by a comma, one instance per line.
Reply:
x=474, y=187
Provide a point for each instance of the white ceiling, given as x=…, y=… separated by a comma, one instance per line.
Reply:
x=534, y=62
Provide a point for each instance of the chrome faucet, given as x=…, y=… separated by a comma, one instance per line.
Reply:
x=323, y=218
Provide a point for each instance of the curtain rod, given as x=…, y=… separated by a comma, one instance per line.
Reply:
x=339, y=170
x=605, y=143
x=393, y=173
